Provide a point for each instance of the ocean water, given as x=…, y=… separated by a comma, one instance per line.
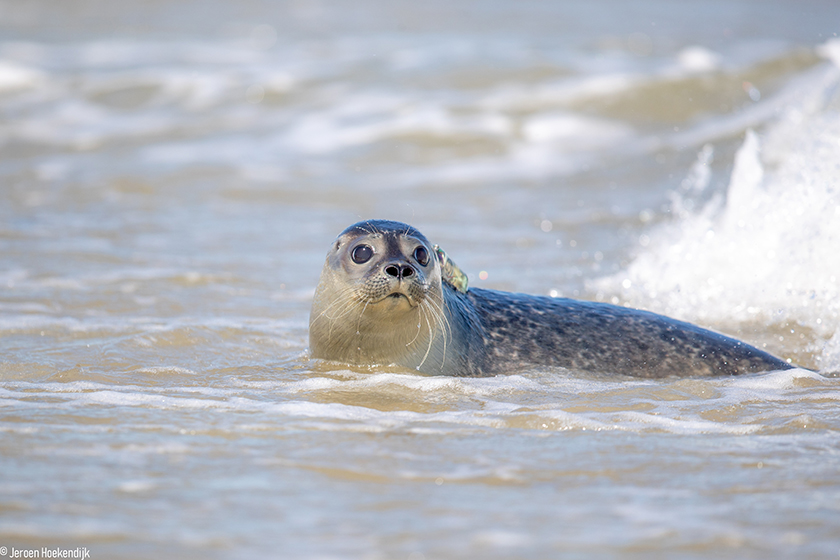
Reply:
x=172, y=173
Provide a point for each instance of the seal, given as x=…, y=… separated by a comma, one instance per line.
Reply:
x=387, y=296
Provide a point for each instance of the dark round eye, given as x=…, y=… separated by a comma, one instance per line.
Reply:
x=421, y=255
x=362, y=254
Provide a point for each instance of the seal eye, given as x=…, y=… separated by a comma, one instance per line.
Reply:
x=362, y=254
x=421, y=255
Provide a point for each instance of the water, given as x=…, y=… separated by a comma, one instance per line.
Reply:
x=172, y=174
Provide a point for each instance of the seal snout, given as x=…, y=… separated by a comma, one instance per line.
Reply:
x=403, y=280
x=400, y=271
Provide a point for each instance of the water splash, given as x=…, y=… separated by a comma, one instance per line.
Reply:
x=766, y=253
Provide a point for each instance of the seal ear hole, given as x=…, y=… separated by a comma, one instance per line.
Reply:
x=362, y=254
x=421, y=255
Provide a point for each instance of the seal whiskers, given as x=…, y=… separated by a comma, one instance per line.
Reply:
x=348, y=305
x=442, y=326
x=431, y=340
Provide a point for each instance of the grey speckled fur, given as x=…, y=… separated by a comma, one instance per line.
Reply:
x=362, y=314
x=507, y=331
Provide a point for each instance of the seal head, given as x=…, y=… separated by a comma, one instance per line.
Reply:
x=380, y=300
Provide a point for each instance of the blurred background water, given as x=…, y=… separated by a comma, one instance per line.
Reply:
x=172, y=173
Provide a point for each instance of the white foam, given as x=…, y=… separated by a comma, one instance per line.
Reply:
x=551, y=141
x=517, y=98
x=136, y=486
x=573, y=130
x=669, y=406
x=368, y=119
x=831, y=354
x=166, y=370
x=698, y=59
x=775, y=382
x=468, y=386
x=500, y=539
x=768, y=253
x=830, y=50
x=15, y=76
x=561, y=420
x=643, y=422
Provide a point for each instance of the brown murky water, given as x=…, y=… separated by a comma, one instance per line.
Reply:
x=171, y=175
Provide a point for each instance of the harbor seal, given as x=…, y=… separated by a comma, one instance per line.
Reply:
x=387, y=296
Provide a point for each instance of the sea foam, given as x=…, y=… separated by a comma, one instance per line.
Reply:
x=766, y=252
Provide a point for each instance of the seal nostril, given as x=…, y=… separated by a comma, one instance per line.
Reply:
x=399, y=271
